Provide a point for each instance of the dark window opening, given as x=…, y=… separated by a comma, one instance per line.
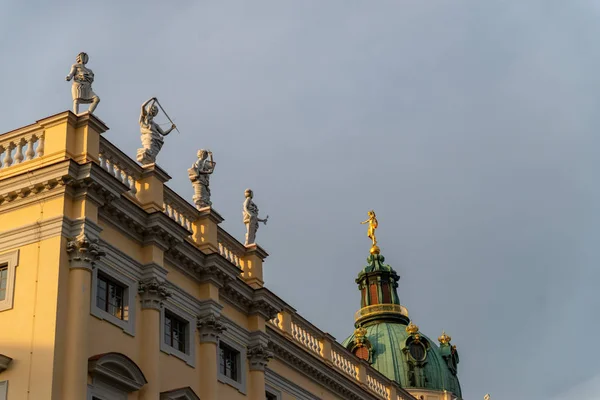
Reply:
x=109, y=297
x=228, y=361
x=175, y=332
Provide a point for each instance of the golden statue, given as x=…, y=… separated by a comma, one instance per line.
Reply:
x=372, y=221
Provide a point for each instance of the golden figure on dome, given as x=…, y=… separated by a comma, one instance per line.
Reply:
x=372, y=221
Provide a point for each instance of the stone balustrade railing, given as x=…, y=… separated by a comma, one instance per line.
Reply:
x=230, y=248
x=178, y=209
x=378, y=387
x=323, y=345
x=116, y=163
x=15, y=149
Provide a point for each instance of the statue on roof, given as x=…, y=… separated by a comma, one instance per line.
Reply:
x=250, y=214
x=200, y=176
x=487, y=397
x=372, y=221
x=81, y=90
x=152, y=133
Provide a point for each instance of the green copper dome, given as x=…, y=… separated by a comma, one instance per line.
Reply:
x=392, y=344
x=391, y=354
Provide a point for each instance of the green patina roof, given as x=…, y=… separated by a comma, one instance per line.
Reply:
x=388, y=340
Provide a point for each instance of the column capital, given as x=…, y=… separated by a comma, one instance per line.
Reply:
x=259, y=356
x=152, y=293
x=210, y=327
x=84, y=252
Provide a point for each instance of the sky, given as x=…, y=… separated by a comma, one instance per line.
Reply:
x=470, y=127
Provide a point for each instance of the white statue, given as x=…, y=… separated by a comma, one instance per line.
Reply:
x=152, y=133
x=487, y=397
x=200, y=175
x=81, y=89
x=250, y=212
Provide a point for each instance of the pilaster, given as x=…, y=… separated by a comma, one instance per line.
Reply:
x=206, y=229
x=83, y=252
x=150, y=188
x=210, y=328
x=252, y=265
x=152, y=292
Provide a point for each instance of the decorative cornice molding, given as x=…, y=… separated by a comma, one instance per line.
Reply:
x=4, y=362
x=83, y=252
x=152, y=293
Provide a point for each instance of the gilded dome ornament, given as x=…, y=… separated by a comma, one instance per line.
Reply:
x=412, y=329
x=373, y=224
x=444, y=339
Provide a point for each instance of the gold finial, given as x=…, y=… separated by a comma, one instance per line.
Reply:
x=444, y=339
x=412, y=328
x=360, y=332
x=372, y=221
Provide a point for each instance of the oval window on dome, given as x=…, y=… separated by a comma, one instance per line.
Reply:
x=417, y=351
x=362, y=353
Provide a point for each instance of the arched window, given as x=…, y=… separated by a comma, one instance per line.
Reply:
x=114, y=376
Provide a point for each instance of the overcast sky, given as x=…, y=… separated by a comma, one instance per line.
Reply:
x=469, y=126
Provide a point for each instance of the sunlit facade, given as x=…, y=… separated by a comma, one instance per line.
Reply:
x=112, y=286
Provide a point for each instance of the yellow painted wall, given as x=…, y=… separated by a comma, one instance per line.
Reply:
x=302, y=381
x=28, y=330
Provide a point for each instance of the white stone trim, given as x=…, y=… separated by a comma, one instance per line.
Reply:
x=179, y=394
x=10, y=259
x=103, y=391
x=190, y=346
x=128, y=326
x=3, y=390
x=271, y=390
x=240, y=384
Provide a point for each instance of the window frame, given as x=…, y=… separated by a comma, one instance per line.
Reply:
x=240, y=383
x=3, y=390
x=189, y=355
x=11, y=260
x=129, y=290
x=273, y=392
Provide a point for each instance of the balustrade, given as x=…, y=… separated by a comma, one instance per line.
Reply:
x=378, y=387
x=302, y=334
x=113, y=161
x=16, y=150
x=344, y=364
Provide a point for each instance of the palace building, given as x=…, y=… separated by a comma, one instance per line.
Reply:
x=113, y=287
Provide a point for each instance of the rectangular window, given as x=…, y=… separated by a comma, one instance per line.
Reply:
x=3, y=281
x=3, y=390
x=110, y=297
x=270, y=396
x=229, y=361
x=175, y=332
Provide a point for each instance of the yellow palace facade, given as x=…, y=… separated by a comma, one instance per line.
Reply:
x=114, y=287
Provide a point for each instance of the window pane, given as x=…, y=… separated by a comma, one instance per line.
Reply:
x=2, y=294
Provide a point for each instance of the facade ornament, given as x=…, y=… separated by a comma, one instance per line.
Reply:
x=84, y=252
x=259, y=356
x=444, y=339
x=200, y=176
x=487, y=397
x=151, y=133
x=372, y=221
x=81, y=90
x=152, y=293
x=412, y=329
x=250, y=214
x=360, y=335
x=210, y=328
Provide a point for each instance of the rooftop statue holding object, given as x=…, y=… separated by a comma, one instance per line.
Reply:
x=250, y=214
x=373, y=224
x=81, y=89
x=152, y=133
x=200, y=174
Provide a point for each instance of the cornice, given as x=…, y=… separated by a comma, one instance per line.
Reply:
x=296, y=357
x=90, y=119
x=4, y=362
x=31, y=233
x=266, y=303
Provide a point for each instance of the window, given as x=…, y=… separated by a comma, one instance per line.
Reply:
x=175, y=331
x=8, y=265
x=3, y=390
x=232, y=364
x=229, y=361
x=270, y=396
x=109, y=297
x=3, y=281
x=417, y=351
x=113, y=293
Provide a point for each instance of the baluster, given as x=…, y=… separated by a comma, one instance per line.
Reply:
x=30, y=153
x=40, y=149
x=109, y=167
x=132, y=186
x=19, y=153
x=102, y=158
x=8, y=158
x=117, y=171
